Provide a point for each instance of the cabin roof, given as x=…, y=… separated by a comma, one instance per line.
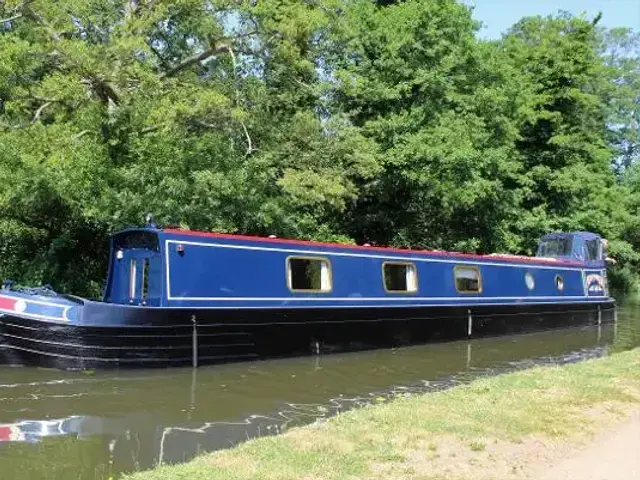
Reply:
x=362, y=248
x=584, y=235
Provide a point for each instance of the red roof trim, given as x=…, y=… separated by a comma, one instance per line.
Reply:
x=306, y=243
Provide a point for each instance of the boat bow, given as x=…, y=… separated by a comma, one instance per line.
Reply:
x=51, y=307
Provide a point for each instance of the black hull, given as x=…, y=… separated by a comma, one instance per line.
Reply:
x=163, y=338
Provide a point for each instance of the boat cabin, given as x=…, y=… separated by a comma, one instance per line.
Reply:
x=576, y=246
x=177, y=268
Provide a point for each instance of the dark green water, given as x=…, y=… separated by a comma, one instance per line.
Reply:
x=69, y=425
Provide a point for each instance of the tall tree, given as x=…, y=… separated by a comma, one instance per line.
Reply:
x=414, y=78
x=334, y=119
x=620, y=48
x=563, y=123
x=204, y=113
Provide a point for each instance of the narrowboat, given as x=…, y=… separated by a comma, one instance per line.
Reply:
x=175, y=297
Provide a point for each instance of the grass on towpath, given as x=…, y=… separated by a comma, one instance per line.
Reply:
x=491, y=428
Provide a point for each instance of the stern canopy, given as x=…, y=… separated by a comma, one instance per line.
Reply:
x=135, y=268
x=575, y=246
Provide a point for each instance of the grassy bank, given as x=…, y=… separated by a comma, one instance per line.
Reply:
x=485, y=426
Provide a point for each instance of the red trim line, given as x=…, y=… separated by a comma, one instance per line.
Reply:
x=7, y=303
x=307, y=243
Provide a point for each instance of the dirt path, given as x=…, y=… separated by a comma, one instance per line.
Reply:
x=612, y=455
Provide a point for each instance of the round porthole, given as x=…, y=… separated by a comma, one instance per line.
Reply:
x=529, y=281
x=559, y=283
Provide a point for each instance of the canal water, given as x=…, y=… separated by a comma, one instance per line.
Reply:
x=58, y=425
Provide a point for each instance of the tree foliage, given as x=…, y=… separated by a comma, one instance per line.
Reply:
x=349, y=120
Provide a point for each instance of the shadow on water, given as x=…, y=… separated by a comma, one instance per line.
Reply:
x=73, y=425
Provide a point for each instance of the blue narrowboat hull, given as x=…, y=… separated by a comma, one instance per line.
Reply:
x=151, y=337
x=184, y=298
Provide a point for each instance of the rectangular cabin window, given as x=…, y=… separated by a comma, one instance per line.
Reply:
x=132, y=278
x=593, y=250
x=145, y=279
x=467, y=279
x=308, y=274
x=555, y=247
x=400, y=277
x=136, y=239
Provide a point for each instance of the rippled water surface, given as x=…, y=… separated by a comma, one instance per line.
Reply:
x=71, y=425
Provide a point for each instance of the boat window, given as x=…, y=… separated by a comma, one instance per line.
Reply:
x=309, y=274
x=555, y=247
x=529, y=281
x=136, y=239
x=559, y=283
x=132, y=278
x=467, y=279
x=593, y=249
x=400, y=277
x=145, y=279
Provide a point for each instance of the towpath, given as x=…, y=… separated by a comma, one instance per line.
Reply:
x=612, y=455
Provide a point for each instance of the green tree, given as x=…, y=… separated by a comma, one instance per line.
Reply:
x=414, y=78
x=335, y=120
x=620, y=48
x=205, y=114
x=564, y=124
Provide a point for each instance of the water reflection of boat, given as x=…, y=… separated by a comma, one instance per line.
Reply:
x=175, y=297
x=135, y=420
x=11, y=433
x=35, y=430
x=79, y=426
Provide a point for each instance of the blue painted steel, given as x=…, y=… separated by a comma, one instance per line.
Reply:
x=219, y=272
x=185, y=270
x=216, y=272
x=142, y=258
